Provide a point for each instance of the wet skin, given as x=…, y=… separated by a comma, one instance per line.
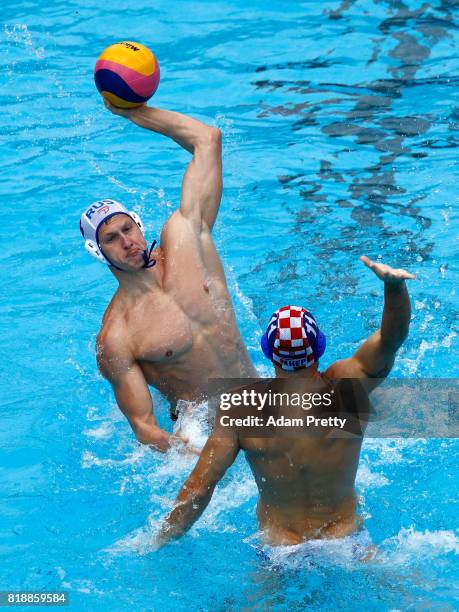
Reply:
x=178, y=324
x=173, y=325
x=306, y=484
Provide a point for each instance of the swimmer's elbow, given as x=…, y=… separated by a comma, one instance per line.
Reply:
x=392, y=342
x=212, y=137
x=147, y=434
x=215, y=136
x=142, y=436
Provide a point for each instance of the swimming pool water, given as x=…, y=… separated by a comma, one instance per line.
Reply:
x=340, y=123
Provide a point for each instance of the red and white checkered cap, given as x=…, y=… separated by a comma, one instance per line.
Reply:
x=292, y=350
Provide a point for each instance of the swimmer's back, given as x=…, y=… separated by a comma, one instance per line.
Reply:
x=306, y=484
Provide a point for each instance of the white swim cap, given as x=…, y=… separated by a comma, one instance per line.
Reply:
x=92, y=219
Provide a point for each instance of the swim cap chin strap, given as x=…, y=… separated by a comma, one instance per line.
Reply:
x=146, y=257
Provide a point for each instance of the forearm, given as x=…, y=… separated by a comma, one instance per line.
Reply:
x=186, y=131
x=216, y=457
x=147, y=431
x=187, y=509
x=396, y=314
x=144, y=430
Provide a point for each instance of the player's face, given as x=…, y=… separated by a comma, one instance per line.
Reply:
x=122, y=242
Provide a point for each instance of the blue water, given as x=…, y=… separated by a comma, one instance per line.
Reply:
x=341, y=124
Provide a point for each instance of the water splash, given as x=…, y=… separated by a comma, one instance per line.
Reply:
x=20, y=34
x=409, y=545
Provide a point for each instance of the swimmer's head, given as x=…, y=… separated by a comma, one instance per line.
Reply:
x=114, y=236
x=293, y=340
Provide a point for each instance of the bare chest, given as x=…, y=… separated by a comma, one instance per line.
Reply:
x=159, y=332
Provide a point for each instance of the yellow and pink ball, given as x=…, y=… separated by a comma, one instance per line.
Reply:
x=127, y=74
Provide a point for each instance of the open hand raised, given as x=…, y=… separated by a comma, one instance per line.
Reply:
x=386, y=273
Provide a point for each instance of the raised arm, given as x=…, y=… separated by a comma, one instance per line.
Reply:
x=202, y=182
x=132, y=394
x=375, y=358
x=216, y=457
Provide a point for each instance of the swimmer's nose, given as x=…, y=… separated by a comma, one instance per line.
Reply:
x=126, y=242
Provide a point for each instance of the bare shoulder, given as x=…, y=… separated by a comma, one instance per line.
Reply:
x=344, y=368
x=183, y=246
x=177, y=228
x=112, y=345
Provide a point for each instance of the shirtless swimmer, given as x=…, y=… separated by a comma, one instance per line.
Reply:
x=306, y=484
x=171, y=322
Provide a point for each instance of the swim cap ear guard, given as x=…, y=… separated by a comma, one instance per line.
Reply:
x=92, y=220
x=92, y=249
x=138, y=220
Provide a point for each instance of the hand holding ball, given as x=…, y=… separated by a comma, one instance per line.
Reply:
x=127, y=74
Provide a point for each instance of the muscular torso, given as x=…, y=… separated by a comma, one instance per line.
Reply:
x=183, y=331
x=306, y=484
